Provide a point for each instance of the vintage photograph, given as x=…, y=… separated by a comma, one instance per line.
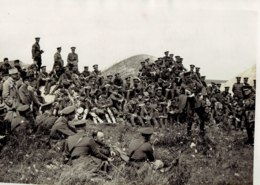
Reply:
x=128, y=92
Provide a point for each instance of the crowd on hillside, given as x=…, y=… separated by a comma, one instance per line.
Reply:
x=163, y=93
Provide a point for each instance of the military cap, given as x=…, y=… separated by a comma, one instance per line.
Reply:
x=197, y=68
x=142, y=62
x=213, y=83
x=5, y=59
x=68, y=110
x=43, y=67
x=219, y=85
x=146, y=130
x=166, y=52
x=128, y=77
x=227, y=87
x=23, y=108
x=2, y=106
x=238, y=77
x=17, y=61
x=160, y=58
x=246, y=78
x=46, y=106
x=203, y=76
x=13, y=71
x=171, y=55
x=73, y=47
x=117, y=74
x=192, y=65
x=95, y=65
x=58, y=47
x=85, y=67
x=109, y=75
x=80, y=123
x=37, y=38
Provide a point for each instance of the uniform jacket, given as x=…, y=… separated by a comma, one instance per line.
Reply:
x=139, y=150
x=10, y=93
x=81, y=145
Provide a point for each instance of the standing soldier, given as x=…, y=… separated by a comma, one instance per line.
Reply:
x=249, y=114
x=245, y=83
x=57, y=58
x=72, y=59
x=36, y=53
x=237, y=89
x=10, y=94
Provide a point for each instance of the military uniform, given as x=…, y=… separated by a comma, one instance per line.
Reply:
x=72, y=59
x=141, y=150
x=36, y=53
x=58, y=59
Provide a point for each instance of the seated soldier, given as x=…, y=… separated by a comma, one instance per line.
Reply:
x=54, y=76
x=62, y=128
x=65, y=80
x=43, y=77
x=92, y=148
x=141, y=150
x=104, y=104
x=24, y=122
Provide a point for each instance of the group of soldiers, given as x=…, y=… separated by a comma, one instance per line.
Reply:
x=163, y=93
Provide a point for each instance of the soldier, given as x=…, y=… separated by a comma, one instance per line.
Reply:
x=141, y=150
x=24, y=122
x=245, y=83
x=197, y=72
x=36, y=53
x=86, y=72
x=127, y=88
x=54, y=78
x=10, y=94
x=237, y=89
x=17, y=65
x=63, y=128
x=65, y=80
x=28, y=96
x=57, y=58
x=249, y=113
x=45, y=120
x=72, y=59
x=5, y=67
x=92, y=148
x=4, y=125
x=43, y=77
x=118, y=81
x=95, y=71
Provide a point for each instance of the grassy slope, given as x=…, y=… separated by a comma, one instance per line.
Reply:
x=128, y=66
x=222, y=159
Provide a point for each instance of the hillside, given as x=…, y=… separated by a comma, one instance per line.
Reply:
x=128, y=66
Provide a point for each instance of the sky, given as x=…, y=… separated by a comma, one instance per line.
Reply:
x=220, y=37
